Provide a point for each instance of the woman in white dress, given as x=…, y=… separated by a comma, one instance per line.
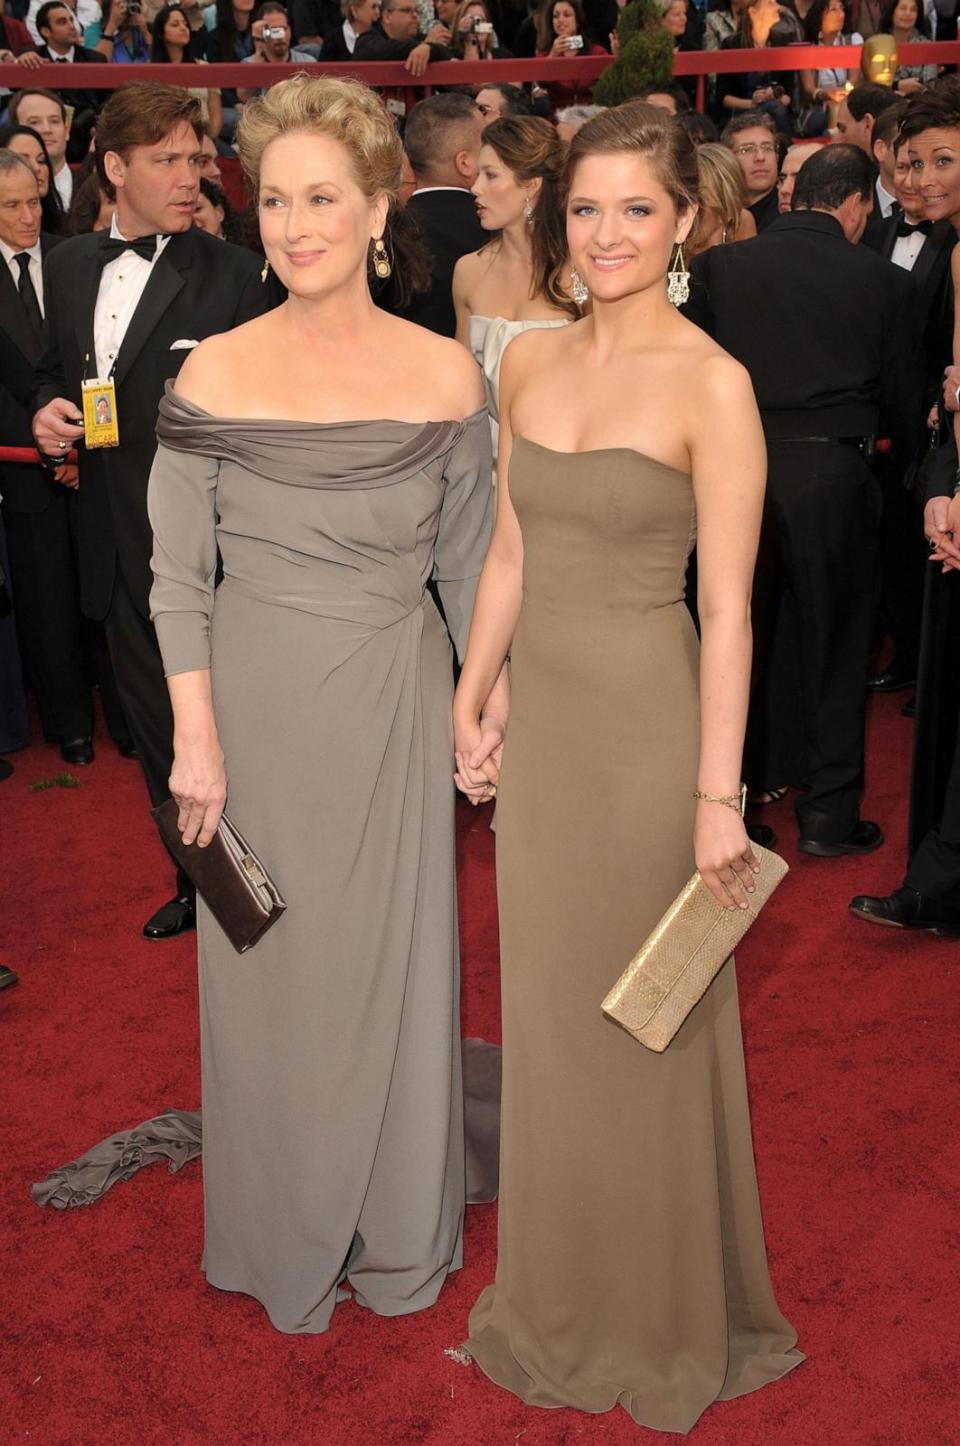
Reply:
x=519, y=279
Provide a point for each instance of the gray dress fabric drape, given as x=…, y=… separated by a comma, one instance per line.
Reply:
x=331, y=1078
x=177, y=1137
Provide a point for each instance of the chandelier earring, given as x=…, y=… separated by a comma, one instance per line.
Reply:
x=528, y=212
x=381, y=261
x=578, y=288
x=678, y=280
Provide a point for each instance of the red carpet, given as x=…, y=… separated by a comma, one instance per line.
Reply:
x=111, y=1335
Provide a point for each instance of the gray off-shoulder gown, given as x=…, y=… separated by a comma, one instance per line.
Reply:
x=332, y=1108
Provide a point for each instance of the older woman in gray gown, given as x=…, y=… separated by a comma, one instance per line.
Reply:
x=339, y=458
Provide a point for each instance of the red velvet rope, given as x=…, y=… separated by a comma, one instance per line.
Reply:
x=28, y=454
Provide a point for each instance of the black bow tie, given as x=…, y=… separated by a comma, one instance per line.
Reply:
x=113, y=246
x=910, y=228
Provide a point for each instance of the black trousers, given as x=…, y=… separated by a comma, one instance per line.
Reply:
x=934, y=868
x=138, y=670
x=814, y=608
x=49, y=626
x=903, y=567
x=14, y=727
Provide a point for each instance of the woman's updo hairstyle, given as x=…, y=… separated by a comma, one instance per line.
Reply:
x=531, y=150
x=642, y=130
x=349, y=112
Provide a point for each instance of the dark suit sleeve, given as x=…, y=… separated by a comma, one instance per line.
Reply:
x=697, y=307
x=901, y=373
x=50, y=378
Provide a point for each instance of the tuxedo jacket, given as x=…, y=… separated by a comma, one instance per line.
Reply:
x=24, y=489
x=448, y=222
x=199, y=286
x=934, y=298
x=847, y=319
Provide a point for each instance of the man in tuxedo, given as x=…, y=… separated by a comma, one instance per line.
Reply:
x=853, y=359
x=442, y=141
x=856, y=122
x=922, y=248
x=127, y=306
x=752, y=136
x=36, y=508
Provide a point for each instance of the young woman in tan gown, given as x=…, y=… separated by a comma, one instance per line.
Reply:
x=632, y=1269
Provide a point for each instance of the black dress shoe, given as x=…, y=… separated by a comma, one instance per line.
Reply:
x=890, y=682
x=909, y=709
x=176, y=916
x=7, y=977
x=78, y=752
x=128, y=749
x=6, y=769
x=762, y=834
x=862, y=840
x=906, y=909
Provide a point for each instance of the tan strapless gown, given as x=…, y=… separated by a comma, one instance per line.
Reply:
x=632, y=1268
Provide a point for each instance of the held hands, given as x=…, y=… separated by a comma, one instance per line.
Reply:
x=68, y=475
x=941, y=526
x=724, y=857
x=198, y=782
x=479, y=750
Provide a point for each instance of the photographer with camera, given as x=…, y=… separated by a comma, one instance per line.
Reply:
x=474, y=37
x=271, y=33
x=562, y=35
x=123, y=34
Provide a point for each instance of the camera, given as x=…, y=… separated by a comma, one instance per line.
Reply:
x=480, y=27
x=134, y=7
x=273, y=32
x=574, y=42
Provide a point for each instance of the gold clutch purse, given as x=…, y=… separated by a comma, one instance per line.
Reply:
x=672, y=969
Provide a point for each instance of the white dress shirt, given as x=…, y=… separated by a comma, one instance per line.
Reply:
x=121, y=286
x=35, y=268
x=906, y=249
x=349, y=36
x=63, y=181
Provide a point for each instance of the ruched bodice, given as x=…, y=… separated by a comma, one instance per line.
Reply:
x=332, y=1111
x=326, y=455
x=339, y=519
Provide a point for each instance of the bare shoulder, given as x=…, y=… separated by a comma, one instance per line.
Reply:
x=213, y=368
x=725, y=382
x=445, y=365
x=534, y=348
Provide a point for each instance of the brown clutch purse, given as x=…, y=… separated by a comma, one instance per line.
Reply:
x=672, y=969
x=229, y=878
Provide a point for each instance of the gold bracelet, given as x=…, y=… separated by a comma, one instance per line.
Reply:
x=730, y=800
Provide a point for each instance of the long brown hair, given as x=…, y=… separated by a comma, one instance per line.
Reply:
x=530, y=149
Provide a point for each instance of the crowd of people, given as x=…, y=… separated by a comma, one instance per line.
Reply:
x=640, y=366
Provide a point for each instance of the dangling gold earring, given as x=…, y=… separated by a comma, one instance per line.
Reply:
x=678, y=280
x=265, y=272
x=381, y=261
